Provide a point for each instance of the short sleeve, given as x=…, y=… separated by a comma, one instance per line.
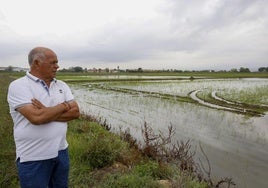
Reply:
x=18, y=95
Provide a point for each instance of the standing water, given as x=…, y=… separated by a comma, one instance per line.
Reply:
x=236, y=145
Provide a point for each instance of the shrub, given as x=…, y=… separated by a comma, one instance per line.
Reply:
x=103, y=151
x=130, y=181
x=185, y=179
x=154, y=169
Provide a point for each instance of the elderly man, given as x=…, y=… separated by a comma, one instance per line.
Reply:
x=40, y=107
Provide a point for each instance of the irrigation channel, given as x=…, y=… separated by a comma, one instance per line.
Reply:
x=228, y=117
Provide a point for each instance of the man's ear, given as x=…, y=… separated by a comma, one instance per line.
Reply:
x=36, y=64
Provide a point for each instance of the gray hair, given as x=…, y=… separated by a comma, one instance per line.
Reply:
x=37, y=53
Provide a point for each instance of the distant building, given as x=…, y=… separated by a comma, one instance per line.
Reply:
x=14, y=69
x=19, y=69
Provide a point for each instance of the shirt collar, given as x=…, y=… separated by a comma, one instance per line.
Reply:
x=36, y=79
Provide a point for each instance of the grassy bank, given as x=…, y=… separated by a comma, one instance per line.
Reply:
x=8, y=173
x=187, y=74
x=126, y=76
x=100, y=158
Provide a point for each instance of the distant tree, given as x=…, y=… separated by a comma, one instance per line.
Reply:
x=263, y=69
x=233, y=70
x=63, y=70
x=9, y=69
x=243, y=69
x=139, y=70
x=78, y=69
x=106, y=70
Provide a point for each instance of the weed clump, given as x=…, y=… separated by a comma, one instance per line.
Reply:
x=161, y=149
x=102, y=151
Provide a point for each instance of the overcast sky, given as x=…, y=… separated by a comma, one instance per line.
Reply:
x=151, y=34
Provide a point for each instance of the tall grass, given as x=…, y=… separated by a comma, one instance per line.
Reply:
x=8, y=173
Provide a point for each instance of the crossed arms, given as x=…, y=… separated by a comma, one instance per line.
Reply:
x=38, y=114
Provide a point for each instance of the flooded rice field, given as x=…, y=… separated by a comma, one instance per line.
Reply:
x=228, y=117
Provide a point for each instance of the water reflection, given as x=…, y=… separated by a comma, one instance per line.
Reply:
x=237, y=147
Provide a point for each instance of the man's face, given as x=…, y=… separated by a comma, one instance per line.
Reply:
x=49, y=66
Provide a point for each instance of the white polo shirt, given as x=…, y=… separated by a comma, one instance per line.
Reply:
x=43, y=141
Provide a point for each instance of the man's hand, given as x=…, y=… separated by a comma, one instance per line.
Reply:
x=71, y=110
x=37, y=113
x=37, y=104
x=71, y=113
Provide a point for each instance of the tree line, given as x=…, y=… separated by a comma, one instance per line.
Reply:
x=139, y=70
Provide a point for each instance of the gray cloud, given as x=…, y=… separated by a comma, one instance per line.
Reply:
x=223, y=31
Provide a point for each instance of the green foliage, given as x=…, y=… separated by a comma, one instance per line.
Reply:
x=195, y=184
x=103, y=151
x=100, y=154
x=130, y=181
x=8, y=173
x=243, y=69
x=154, y=169
x=263, y=69
x=185, y=180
